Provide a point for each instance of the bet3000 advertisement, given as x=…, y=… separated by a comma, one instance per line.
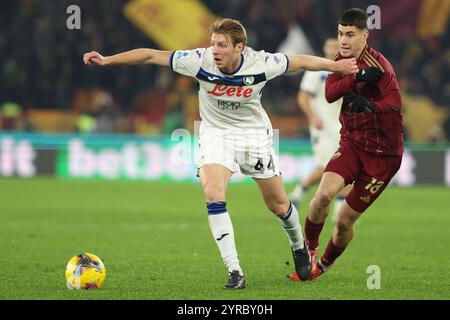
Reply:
x=174, y=158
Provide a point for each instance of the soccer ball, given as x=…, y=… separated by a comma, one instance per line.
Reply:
x=85, y=271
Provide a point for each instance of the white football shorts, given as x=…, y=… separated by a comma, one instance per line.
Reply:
x=249, y=150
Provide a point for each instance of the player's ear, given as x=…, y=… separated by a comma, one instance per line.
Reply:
x=365, y=34
x=240, y=46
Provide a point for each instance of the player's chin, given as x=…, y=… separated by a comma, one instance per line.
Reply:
x=346, y=53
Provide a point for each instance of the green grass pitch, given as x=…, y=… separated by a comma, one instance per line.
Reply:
x=155, y=242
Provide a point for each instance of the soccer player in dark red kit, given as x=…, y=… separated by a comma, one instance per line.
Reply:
x=371, y=146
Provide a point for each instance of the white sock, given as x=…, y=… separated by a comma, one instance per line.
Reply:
x=291, y=226
x=223, y=233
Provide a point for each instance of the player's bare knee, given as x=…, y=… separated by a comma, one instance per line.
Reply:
x=322, y=198
x=344, y=224
x=214, y=192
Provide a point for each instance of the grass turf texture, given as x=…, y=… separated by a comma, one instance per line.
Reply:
x=155, y=242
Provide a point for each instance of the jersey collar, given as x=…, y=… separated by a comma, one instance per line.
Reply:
x=362, y=53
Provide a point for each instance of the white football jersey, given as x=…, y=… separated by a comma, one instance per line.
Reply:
x=231, y=101
x=313, y=82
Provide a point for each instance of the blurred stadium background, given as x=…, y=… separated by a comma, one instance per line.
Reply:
x=60, y=118
x=48, y=97
x=46, y=89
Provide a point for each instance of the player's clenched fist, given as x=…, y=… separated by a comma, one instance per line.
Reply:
x=94, y=58
x=347, y=66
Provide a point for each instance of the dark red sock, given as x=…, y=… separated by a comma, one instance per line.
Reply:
x=331, y=253
x=312, y=233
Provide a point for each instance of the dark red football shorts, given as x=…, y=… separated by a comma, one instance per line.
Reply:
x=369, y=173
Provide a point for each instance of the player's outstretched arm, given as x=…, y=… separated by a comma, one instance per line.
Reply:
x=313, y=63
x=132, y=57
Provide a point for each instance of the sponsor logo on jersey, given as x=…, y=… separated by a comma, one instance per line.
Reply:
x=228, y=105
x=183, y=54
x=365, y=199
x=220, y=90
x=249, y=80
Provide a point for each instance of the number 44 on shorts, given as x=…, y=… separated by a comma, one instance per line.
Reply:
x=260, y=165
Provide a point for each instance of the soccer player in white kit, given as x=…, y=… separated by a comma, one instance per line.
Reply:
x=324, y=126
x=235, y=128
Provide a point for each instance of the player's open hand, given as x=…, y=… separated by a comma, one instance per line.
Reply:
x=347, y=66
x=94, y=58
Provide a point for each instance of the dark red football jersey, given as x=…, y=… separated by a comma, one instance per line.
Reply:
x=380, y=132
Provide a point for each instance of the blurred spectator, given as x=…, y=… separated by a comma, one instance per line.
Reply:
x=11, y=116
x=103, y=107
x=85, y=123
x=14, y=117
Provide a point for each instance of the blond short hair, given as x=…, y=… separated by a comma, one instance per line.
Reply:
x=230, y=28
